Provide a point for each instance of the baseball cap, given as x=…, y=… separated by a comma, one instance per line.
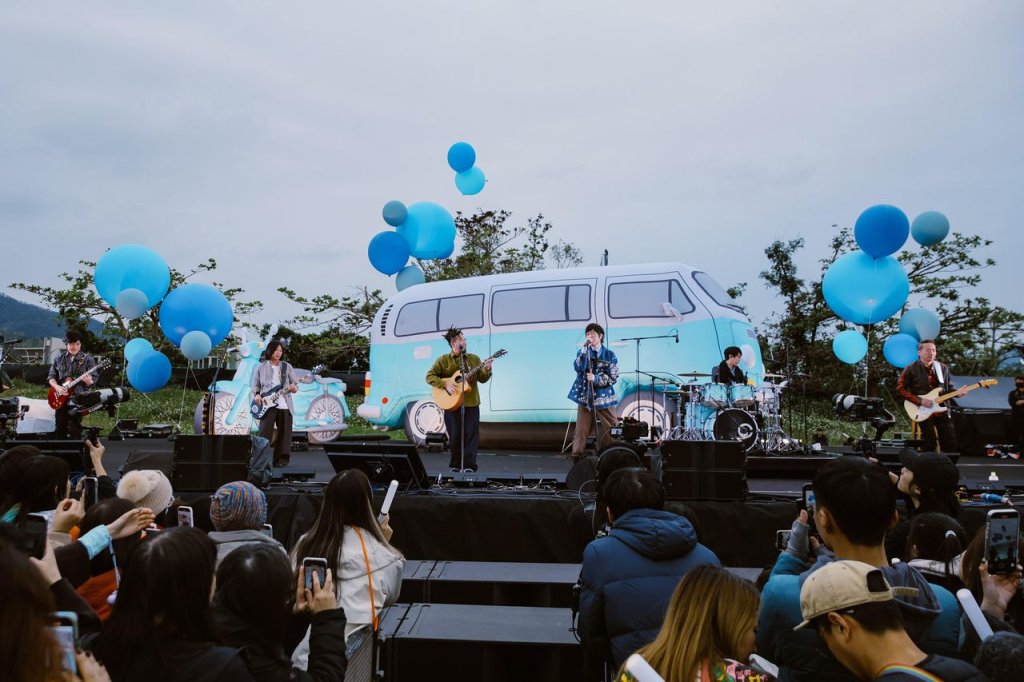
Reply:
x=931, y=470
x=841, y=585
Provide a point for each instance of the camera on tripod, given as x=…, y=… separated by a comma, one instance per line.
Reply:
x=105, y=398
x=858, y=408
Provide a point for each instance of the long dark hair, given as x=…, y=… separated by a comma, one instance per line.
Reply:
x=102, y=514
x=169, y=581
x=347, y=502
x=28, y=650
x=11, y=462
x=273, y=346
x=255, y=583
x=42, y=483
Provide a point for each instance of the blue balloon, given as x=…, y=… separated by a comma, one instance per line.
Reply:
x=388, y=252
x=881, y=230
x=149, y=370
x=461, y=156
x=136, y=346
x=196, y=307
x=900, y=350
x=429, y=230
x=850, y=346
x=394, y=213
x=131, y=266
x=471, y=181
x=410, y=276
x=195, y=345
x=929, y=228
x=921, y=324
x=131, y=303
x=865, y=290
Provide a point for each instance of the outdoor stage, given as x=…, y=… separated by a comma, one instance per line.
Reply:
x=540, y=522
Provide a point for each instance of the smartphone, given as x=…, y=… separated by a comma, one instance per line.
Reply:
x=90, y=491
x=267, y=530
x=34, y=529
x=185, y=517
x=1002, y=541
x=65, y=631
x=388, y=499
x=807, y=499
x=782, y=539
x=314, y=566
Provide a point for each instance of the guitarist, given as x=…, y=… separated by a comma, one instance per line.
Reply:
x=271, y=373
x=70, y=364
x=920, y=377
x=458, y=360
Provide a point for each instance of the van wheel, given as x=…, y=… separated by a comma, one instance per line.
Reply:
x=423, y=417
x=641, y=408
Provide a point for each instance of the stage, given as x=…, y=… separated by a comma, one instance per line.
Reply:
x=537, y=521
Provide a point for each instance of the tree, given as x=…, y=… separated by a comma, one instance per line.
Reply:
x=77, y=302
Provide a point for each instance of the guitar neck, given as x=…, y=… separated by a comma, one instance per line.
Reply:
x=952, y=394
x=84, y=375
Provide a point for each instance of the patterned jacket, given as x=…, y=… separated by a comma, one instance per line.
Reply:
x=67, y=366
x=606, y=373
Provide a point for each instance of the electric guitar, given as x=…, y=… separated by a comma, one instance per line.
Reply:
x=57, y=400
x=450, y=402
x=919, y=412
x=270, y=396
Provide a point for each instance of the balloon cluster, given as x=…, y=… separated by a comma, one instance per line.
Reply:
x=870, y=285
x=195, y=317
x=468, y=176
x=422, y=230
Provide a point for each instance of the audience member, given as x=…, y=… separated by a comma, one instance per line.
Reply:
x=347, y=535
x=41, y=483
x=999, y=596
x=256, y=596
x=853, y=609
x=148, y=488
x=930, y=480
x=628, y=576
x=107, y=567
x=11, y=461
x=934, y=546
x=708, y=631
x=1001, y=657
x=238, y=511
x=855, y=503
x=161, y=624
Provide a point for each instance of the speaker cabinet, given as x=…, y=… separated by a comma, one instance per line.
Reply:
x=208, y=462
x=704, y=470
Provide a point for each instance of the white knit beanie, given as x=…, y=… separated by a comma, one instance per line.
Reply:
x=146, y=488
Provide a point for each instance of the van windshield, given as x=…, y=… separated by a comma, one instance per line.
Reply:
x=715, y=290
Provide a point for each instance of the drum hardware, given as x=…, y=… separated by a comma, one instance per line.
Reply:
x=694, y=374
x=775, y=376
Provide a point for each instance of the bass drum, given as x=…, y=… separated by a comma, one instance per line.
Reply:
x=732, y=424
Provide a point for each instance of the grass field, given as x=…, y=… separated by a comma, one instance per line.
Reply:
x=173, y=405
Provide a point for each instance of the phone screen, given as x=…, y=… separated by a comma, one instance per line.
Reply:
x=66, y=634
x=1002, y=542
x=34, y=529
x=185, y=516
x=90, y=492
x=314, y=566
x=782, y=539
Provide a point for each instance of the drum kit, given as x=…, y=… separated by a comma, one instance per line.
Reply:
x=748, y=414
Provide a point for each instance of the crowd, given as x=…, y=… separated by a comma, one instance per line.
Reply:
x=155, y=601
x=857, y=593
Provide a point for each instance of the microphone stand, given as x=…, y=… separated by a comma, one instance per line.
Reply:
x=637, y=340
x=591, y=398
x=462, y=412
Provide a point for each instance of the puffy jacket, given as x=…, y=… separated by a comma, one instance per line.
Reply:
x=628, y=578
x=932, y=620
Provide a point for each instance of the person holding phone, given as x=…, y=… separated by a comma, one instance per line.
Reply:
x=593, y=391
x=270, y=373
x=347, y=534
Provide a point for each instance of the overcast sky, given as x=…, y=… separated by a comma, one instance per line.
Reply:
x=269, y=135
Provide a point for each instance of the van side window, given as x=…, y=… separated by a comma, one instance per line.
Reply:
x=645, y=299
x=541, y=304
x=714, y=290
x=434, y=315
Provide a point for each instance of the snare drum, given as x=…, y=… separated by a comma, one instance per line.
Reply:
x=715, y=395
x=741, y=395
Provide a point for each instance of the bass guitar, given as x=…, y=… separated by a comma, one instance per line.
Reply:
x=269, y=397
x=919, y=412
x=57, y=401
x=449, y=402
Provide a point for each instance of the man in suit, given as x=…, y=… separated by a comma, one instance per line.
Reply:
x=917, y=379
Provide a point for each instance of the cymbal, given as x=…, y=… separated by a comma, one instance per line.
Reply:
x=774, y=376
x=695, y=374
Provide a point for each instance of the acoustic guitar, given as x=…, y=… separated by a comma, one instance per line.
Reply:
x=57, y=400
x=450, y=402
x=919, y=412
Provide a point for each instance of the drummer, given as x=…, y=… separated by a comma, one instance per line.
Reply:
x=729, y=372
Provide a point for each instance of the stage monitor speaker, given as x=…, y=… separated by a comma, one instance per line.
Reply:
x=382, y=462
x=71, y=451
x=467, y=642
x=161, y=460
x=208, y=462
x=704, y=470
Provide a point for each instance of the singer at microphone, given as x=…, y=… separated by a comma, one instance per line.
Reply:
x=729, y=372
x=597, y=370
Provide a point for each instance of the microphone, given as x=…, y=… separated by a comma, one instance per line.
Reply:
x=677, y=336
x=10, y=342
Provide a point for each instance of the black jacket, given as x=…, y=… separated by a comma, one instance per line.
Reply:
x=268, y=662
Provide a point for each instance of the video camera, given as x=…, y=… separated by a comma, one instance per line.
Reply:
x=858, y=408
x=104, y=398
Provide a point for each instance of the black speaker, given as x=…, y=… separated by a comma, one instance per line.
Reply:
x=161, y=460
x=382, y=462
x=583, y=475
x=704, y=470
x=208, y=462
